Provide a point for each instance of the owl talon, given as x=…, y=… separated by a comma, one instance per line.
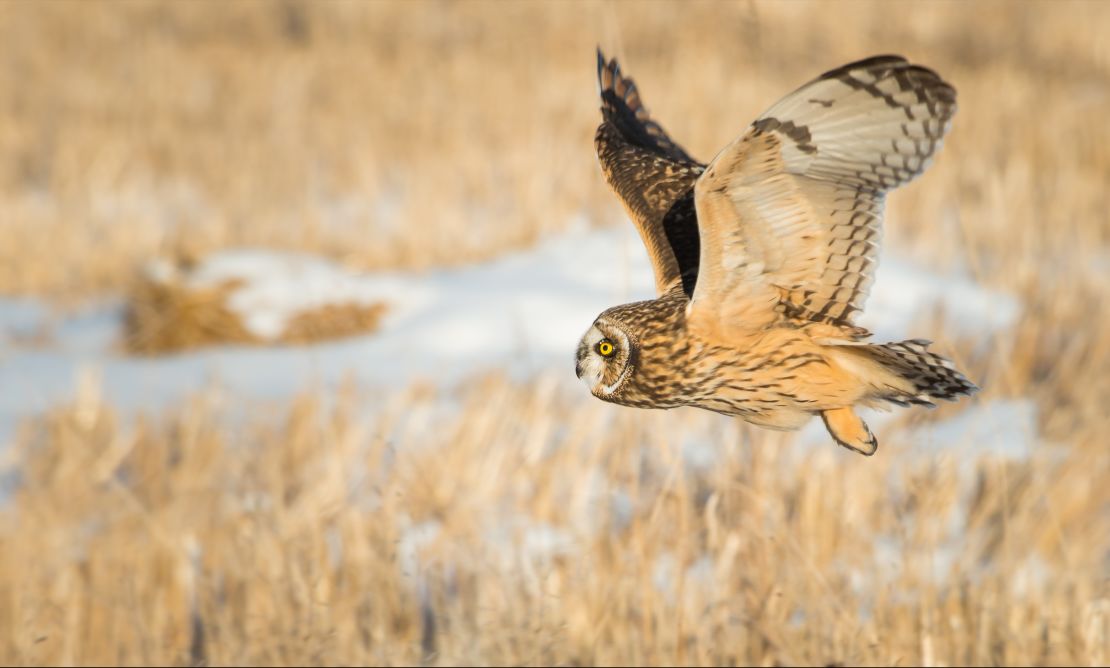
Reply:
x=850, y=431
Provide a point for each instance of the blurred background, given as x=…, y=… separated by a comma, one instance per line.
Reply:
x=289, y=295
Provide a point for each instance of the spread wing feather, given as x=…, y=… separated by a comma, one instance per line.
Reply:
x=790, y=213
x=653, y=176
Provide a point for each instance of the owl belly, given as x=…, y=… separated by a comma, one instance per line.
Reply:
x=779, y=381
x=780, y=415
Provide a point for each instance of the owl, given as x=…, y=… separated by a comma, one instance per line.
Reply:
x=764, y=257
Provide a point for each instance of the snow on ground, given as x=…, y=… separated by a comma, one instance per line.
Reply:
x=523, y=312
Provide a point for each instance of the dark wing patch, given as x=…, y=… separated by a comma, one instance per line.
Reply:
x=653, y=176
x=621, y=105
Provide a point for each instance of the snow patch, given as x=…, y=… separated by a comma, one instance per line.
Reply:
x=523, y=312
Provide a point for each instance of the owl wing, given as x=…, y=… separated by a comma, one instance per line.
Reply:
x=790, y=213
x=652, y=175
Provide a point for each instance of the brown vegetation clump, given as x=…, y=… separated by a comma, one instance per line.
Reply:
x=333, y=321
x=166, y=312
x=166, y=316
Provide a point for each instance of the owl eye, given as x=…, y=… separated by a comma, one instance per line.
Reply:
x=605, y=348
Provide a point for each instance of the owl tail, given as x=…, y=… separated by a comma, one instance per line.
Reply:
x=903, y=373
x=919, y=376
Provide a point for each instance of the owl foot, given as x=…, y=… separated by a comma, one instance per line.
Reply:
x=850, y=431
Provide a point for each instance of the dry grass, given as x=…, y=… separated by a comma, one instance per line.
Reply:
x=333, y=321
x=416, y=134
x=166, y=316
x=166, y=312
x=403, y=528
x=524, y=524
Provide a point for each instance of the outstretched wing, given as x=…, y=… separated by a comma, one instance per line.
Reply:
x=790, y=213
x=652, y=175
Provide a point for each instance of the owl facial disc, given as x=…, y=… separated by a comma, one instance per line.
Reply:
x=602, y=359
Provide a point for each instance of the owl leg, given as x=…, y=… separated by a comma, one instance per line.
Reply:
x=850, y=431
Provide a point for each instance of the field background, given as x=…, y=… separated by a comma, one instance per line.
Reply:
x=509, y=518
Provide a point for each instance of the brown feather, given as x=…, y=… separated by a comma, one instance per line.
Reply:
x=653, y=177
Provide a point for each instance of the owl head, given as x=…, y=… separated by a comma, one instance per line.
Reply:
x=606, y=358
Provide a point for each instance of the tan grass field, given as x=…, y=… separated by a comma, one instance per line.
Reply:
x=515, y=521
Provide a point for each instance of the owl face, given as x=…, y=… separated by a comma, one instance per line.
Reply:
x=606, y=358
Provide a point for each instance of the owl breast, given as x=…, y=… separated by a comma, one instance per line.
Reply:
x=775, y=378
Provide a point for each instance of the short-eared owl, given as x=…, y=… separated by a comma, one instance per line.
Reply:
x=764, y=257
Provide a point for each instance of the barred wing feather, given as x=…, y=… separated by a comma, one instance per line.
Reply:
x=790, y=213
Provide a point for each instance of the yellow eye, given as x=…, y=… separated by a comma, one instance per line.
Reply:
x=605, y=348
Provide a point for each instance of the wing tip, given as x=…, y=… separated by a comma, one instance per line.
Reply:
x=618, y=93
x=944, y=91
x=885, y=59
x=610, y=79
x=600, y=70
x=623, y=109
